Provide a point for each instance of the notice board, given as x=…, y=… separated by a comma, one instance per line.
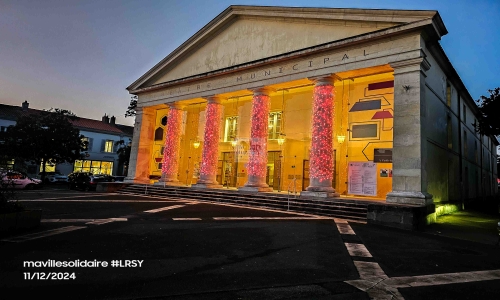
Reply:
x=362, y=178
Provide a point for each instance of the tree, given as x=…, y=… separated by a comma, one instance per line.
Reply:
x=131, y=107
x=123, y=154
x=489, y=122
x=45, y=138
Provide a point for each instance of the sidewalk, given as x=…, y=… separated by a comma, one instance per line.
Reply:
x=467, y=225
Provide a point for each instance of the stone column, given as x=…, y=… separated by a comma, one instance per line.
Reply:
x=409, y=153
x=142, y=143
x=321, y=150
x=261, y=104
x=170, y=163
x=210, y=156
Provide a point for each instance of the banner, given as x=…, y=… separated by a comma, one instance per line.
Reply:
x=362, y=178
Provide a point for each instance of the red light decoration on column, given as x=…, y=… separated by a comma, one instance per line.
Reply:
x=321, y=155
x=170, y=163
x=258, y=132
x=211, y=141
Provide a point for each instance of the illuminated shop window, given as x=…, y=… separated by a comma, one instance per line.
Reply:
x=48, y=167
x=93, y=166
x=231, y=129
x=274, y=125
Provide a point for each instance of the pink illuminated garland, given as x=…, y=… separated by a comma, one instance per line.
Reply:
x=258, y=141
x=172, y=143
x=211, y=140
x=321, y=155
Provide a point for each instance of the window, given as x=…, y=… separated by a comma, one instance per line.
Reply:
x=231, y=129
x=475, y=151
x=85, y=140
x=465, y=143
x=450, y=133
x=48, y=167
x=274, y=125
x=93, y=166
x=108, y=146
x=3, y=129
x=448, y=94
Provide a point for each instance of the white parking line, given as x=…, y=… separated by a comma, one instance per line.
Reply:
x=164, y=208
x=42, y=234
x=344, y=228
x=357, y=250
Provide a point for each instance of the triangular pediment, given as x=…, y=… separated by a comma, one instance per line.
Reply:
x=243, y=34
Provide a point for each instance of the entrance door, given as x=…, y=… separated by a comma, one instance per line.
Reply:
x=273, y=174
x=229, y=169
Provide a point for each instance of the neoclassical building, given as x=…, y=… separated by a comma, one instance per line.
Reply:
x=352, y=103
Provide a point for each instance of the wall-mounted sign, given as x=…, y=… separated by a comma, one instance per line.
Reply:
x=382, y=155
x=362, y=178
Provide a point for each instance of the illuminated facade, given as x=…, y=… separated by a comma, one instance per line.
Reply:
x=330, y=102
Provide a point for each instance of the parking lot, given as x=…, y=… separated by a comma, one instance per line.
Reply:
x=199, y=250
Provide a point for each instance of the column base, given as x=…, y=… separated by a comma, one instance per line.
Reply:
x=207, y=186
x=255, y=189
x=404, y=197
x=319, y=194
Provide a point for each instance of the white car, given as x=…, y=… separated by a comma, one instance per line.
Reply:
x=16, y=180
x=54, y=177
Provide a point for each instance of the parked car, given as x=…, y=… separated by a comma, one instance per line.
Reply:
x=118, y=178
x=17, y=180
x=54, y=177
x=86, y=181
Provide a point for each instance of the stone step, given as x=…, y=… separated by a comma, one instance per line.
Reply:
x=347, y=209
x=296, y=203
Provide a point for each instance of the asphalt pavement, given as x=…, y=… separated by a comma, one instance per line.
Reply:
x=198, y=250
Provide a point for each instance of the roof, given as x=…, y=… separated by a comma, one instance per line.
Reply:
x=10, y=112
x=233, y=12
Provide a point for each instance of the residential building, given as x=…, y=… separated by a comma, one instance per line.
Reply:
x=99, y=157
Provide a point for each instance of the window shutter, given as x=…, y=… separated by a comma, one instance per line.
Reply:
x=89, y=147
x=103, y=144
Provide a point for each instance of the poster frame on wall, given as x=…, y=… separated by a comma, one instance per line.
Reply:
x=362, y=178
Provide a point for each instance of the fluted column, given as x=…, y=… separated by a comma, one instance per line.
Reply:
x=321, y=150
x=257, y=163
x=208, y=169
x=142, y=143
x=170, y=163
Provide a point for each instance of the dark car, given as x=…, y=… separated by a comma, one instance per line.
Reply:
x=86, y=181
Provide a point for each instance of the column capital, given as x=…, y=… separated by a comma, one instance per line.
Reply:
x=263, y=90
x=214, y=99
x=175, y=105
x=411, y=65
x=324, y=79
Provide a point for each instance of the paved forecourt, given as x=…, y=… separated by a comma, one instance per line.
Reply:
x=199, y=250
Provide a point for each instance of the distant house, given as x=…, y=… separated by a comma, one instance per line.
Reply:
x=99, y=157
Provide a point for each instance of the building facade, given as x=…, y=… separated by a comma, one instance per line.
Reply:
x=100, y=157
x=330, y=102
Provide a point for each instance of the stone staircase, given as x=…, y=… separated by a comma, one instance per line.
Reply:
x=339, y=208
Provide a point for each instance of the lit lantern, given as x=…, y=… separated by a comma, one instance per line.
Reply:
x=234, y=143
x=196, y=144
x=281, y=139
x=340, y=138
